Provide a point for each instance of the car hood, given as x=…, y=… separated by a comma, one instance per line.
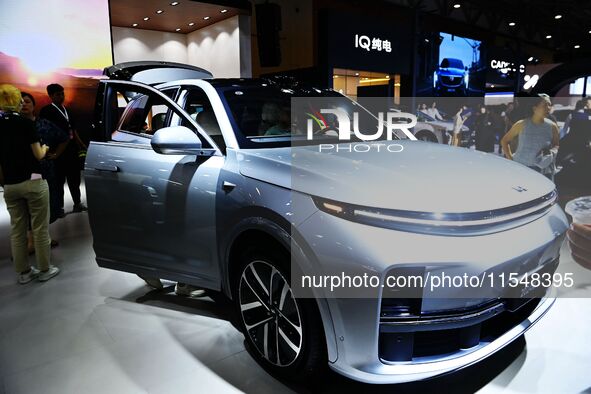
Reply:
x=451, y=72
x=424, y=176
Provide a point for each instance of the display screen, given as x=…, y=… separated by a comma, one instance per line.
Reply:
x=56, y=41
x=451, y=66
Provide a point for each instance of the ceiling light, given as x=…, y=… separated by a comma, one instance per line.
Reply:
x=549, y=36
x=174, y=3
x=192, y=24
x=511, y=23
x=146, y=18
x=205, y=18
x=530, y=58
x=178, y=29
x=223, y=11
x=457, y=5
x=159, y=12
x=356, y=74
x=589, y=31
x=558, y=16
x=134, y=25
x=577, y=46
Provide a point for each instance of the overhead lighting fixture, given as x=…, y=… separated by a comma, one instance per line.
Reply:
x=205, y=18
x=512, y=24
x=589, y=31
x=223, y=11
x=356, y=74
x=159, y=12
x=146, y=19
x=178, y=29
x=577, y=46
x=174, y=3
x=549, y=36
x=192, y=24
x=558, y=16
x=529, y=59
x=134, y=25
x=457, y=5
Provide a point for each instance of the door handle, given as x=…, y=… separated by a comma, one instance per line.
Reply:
x=228, y=186
x=106, y=167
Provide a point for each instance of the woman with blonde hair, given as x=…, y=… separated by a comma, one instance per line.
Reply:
x=25, y=191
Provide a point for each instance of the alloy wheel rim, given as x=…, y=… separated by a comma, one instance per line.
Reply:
x=270, y=313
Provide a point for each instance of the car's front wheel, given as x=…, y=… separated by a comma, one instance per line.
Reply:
x=284, y=333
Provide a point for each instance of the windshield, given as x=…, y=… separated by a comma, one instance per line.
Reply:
x=266, y=116
x=452, y=63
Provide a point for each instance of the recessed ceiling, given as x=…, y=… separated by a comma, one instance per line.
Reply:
x=187, y=15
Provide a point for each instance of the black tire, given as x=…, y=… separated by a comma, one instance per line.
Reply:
x=279, y=358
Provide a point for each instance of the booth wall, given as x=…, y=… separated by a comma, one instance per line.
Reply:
x=131, y=44
x=217, y=48
x=222, y=48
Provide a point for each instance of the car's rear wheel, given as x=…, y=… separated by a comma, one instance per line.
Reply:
x=283, y=333
x=427, y=136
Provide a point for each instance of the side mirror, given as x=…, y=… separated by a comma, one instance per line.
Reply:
x=176, y=140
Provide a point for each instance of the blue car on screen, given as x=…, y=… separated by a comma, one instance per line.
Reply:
x=451, y=77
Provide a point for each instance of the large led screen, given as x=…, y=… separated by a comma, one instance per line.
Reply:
x=451, y=66
x=56, y=41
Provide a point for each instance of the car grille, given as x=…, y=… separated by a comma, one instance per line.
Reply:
x=408, y=334
x=451, y=81
x=420, y=346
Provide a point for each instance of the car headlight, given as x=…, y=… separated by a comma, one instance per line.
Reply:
x=437, y=222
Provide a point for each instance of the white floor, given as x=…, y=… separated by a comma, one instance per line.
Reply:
x=93, y=330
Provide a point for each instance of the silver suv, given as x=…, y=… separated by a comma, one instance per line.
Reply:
x=187, y=180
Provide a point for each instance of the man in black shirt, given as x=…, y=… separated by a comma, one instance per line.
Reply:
x=67, y=164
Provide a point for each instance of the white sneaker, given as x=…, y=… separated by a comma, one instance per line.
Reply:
x=50, y=273
x=29, y=276
x=183, y=289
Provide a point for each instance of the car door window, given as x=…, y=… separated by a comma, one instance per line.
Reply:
x=199, y=108
x=141, y=113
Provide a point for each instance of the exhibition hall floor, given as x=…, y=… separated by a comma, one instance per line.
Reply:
x=93, y=330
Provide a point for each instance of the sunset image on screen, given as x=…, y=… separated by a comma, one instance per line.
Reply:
x=56, y=41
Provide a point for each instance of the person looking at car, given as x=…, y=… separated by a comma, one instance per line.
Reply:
x=457, y=126
x=57, y=140
x=423, y=108
x=486, y=127
x=67, y=164
x=434, y=112
x=538, y=138
x=282, y=126
x=25, y=191
x=579, y=108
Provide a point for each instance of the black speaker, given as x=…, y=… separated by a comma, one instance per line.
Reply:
x=268, y=17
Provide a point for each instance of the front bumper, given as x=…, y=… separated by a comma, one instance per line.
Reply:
x=383, y=373
x=341, y=245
